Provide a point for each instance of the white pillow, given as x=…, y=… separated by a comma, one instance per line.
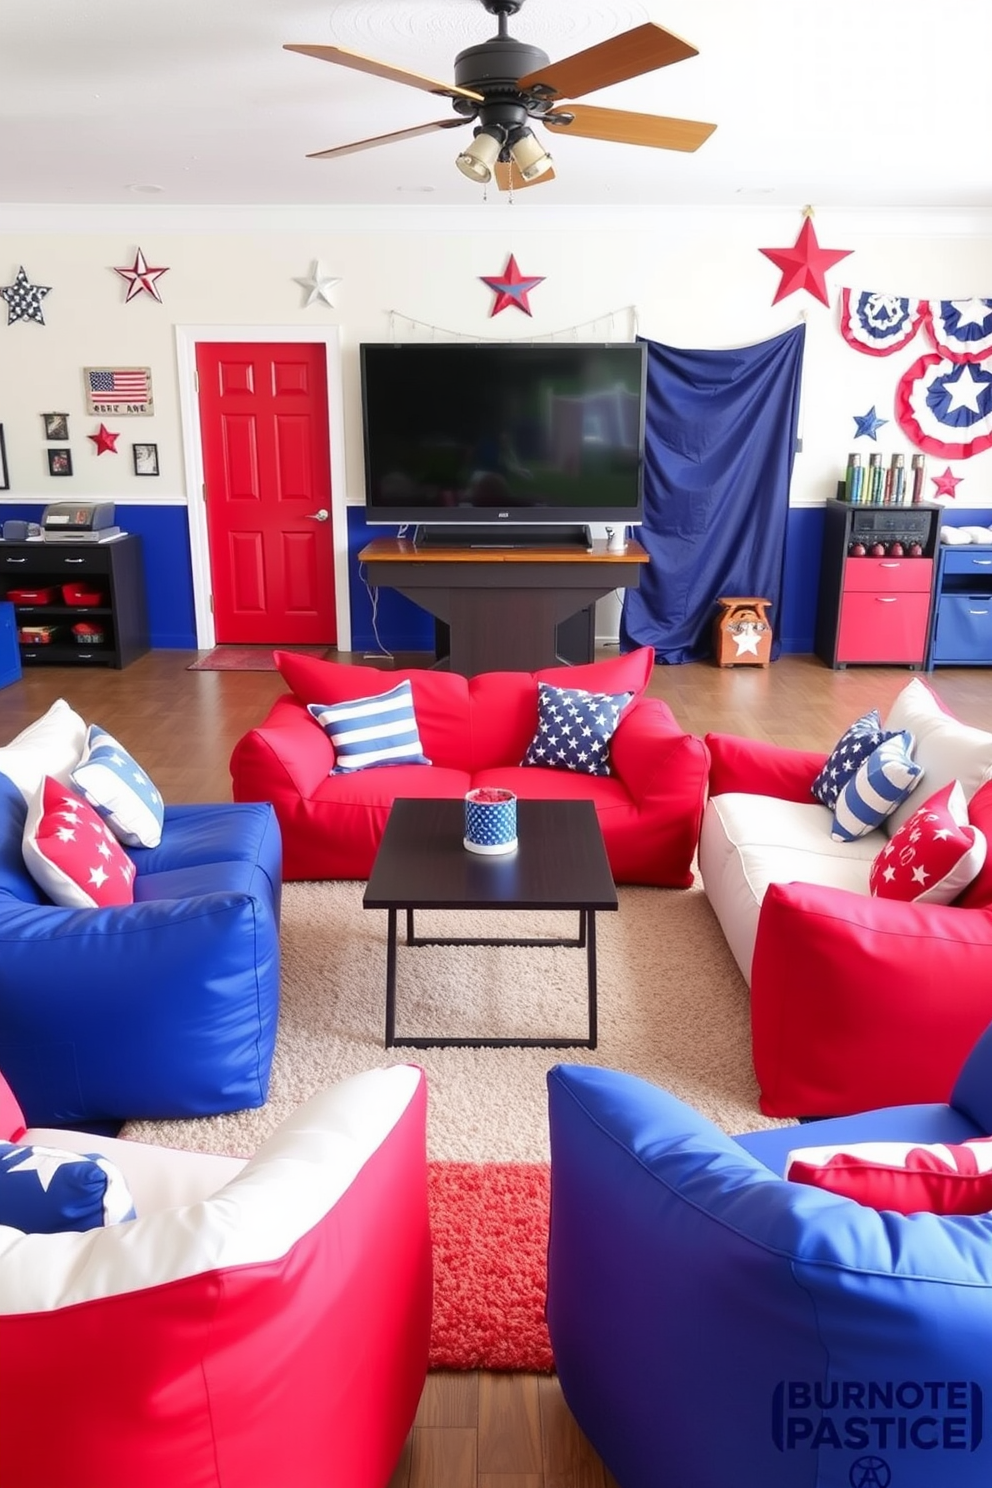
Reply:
x=119, y=790
x=53, y=745
x=947, y=749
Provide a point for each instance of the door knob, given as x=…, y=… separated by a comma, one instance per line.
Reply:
x=318, y=516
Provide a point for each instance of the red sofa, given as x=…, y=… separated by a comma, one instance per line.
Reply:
x=475, y=731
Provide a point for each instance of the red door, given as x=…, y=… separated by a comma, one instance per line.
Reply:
x=267, y=474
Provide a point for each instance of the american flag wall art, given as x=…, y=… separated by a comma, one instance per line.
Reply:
x=118, y=390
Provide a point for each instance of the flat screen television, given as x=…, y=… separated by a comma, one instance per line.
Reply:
x=503, y=439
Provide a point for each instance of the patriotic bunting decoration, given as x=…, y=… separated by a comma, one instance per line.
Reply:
x=879, y=324
x=961, y=329
x=945, y=407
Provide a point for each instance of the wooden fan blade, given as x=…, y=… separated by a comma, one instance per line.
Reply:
x=633, y=129
x=508, y=177
x=628, y=55
x=386, y=139
x=344, y=57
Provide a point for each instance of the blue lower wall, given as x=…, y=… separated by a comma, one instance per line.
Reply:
x=164, y=533
x=399, y=625
x=385, y=621
x=389, y=622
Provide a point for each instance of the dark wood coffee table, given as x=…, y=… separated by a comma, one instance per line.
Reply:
x=560, y=863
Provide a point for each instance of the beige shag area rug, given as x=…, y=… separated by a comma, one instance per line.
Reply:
x=673, y=1009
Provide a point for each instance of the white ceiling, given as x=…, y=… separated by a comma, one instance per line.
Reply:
x=848, y=104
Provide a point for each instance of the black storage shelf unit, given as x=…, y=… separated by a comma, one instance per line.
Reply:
x=114, y=568
x=962, y=621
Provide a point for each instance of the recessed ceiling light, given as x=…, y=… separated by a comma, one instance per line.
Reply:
x=416, y=190
x=146, y=190
x=755, y=190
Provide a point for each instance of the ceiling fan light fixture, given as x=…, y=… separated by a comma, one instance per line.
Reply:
x=477, y=159
x=529, y=155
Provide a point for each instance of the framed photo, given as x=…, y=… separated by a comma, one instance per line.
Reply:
x=145, y=459
x=59, y=462
x=56, y=425
x=4, y=477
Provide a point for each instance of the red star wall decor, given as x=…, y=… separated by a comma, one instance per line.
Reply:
x=141, y=278
x=947, y=483
x=511, y=287
x=805, y=264
x=105, y=441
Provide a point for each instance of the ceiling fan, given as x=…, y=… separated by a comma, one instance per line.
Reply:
x=502, y=85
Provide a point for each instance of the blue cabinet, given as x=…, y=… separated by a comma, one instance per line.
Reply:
x=962, y=618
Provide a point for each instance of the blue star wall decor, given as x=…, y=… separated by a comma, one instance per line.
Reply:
x=868, y=423
x=24, y=299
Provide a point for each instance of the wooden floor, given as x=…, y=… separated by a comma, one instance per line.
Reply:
x=472, y=1430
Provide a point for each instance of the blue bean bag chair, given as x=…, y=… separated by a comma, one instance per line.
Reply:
x=165, y=1007
x=716, y=1325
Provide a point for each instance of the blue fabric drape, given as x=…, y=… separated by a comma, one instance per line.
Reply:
x=720, y=440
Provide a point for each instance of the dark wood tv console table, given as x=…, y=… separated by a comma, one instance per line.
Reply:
x=502, y=605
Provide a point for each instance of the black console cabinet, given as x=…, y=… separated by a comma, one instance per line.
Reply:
x=112, y=570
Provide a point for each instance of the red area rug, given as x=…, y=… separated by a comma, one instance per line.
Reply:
x=247, y=658
x=490, y=1226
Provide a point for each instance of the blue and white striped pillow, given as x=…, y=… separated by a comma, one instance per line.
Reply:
x=881, y=784
x=372, y=731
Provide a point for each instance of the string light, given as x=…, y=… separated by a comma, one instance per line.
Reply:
x=625, y=318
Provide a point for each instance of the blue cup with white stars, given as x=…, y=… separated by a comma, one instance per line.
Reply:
x=490, y=820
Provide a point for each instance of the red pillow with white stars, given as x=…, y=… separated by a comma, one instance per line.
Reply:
x=934, y=855
x=72, y=854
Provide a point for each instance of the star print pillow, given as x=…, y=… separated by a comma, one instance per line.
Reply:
x=72, y=854
x=853, y=747
x=574, y=729
x=934, y=855
x=45, y=1190
x=119, y=790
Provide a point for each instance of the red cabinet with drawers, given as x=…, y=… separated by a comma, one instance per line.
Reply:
x=876, y=584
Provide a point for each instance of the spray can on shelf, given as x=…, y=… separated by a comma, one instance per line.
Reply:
x=919, y=468
x=854, y=478
x=899, y=492
x=876, y=479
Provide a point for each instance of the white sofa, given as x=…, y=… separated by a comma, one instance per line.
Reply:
x=856, y=1001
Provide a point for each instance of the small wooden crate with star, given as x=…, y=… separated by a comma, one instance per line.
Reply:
x=742, y=632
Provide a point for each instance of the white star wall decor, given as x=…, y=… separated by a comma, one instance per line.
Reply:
x=318, y=286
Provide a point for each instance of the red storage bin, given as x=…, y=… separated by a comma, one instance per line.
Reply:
x=88, y=634
x=37, y=635
x=81, y=594
x=33, y=596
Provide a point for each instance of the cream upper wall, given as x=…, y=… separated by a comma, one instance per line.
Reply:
x=691, y=279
